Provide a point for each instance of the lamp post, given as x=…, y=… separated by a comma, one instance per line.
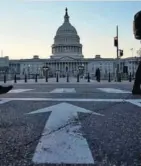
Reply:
x=29, y=70
x=81, y=69
x=46, y=68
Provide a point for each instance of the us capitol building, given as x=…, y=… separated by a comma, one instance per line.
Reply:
x=67, y=56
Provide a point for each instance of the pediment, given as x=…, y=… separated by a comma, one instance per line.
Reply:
x=66, y=58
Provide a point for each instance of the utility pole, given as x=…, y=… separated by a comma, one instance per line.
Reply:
x=117, y=65
x=118, y=74
x=116, y=44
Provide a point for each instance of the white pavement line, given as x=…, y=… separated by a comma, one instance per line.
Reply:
x=64, y=90
x=67, y=99
x=113, y=90
x=19, y=90
x=62, y=140
x=4, y=101
x=135, y=102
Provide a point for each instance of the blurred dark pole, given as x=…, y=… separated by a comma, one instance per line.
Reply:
x=15, y=78
x=4, y=78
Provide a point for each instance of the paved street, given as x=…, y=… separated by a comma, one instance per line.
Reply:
x=70, y=123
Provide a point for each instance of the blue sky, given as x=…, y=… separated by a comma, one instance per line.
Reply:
x=28, y=27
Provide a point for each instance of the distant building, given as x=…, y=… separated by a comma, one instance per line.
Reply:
x=67, y=57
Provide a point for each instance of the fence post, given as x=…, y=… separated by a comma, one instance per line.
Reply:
x=109, y=79
x=130, y=77
x=36, y=79
x=88, y=77
x=77, y=77
x=4, y=78
x=25, y=78
x=67, y=77
x=57, y=79
x=15, y=79
x=46, y=75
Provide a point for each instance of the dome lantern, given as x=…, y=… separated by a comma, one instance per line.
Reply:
x=66, y=17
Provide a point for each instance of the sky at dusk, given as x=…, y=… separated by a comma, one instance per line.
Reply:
x=28, y=27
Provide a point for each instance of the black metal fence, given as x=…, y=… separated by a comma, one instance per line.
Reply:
x=109, y=78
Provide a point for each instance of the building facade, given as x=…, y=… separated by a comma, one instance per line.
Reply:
x=67, y=58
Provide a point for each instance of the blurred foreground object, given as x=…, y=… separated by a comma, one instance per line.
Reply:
x=137, y=34
x=5, y=89
x=137, y=25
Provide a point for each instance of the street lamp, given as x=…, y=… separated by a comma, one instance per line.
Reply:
x=46, y=68
x=29, y=70
x=81, y=69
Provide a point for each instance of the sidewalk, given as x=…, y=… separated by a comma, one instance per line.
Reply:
x=63, y=81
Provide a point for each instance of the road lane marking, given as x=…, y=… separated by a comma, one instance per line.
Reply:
x=4, y=100
x=135, y=102
x=62, y=140
x=64, y=90
x=113, y=90
x=67, y=99
x=19, y=90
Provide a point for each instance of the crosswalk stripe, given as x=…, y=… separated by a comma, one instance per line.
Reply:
x=64, y=90
x=19, y=90
x=4, y=101
x=72, y=90
x=113, y=90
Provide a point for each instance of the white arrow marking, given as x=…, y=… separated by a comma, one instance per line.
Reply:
x=64, y=90
x=135, y=102
x=113, y=90
x=62, y=141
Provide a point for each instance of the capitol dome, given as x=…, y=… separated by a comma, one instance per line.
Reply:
x=66, y=41
x=66, y=28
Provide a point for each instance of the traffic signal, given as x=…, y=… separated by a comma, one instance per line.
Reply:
x=137, y=26
x=121, y=53
x=116, y=41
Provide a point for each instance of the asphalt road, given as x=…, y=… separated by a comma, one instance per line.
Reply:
x=114, y=139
